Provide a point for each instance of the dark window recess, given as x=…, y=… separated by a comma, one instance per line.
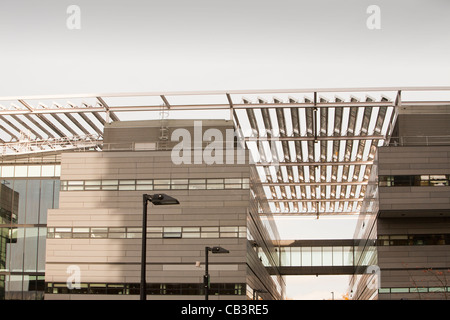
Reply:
x=414, y=240
x=152, y=288
x=435, y=180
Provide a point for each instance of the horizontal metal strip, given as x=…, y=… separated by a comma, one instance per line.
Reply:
x=335, y=163
x=316, y=200
x=309, y=138
x=344, y=183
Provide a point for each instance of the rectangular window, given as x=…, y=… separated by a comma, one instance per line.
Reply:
x=197, y=184
x=207, y=229
x=7, y=171
x=99, y=232
x=144, y=184
x=172, y=232
x=161, y=184
x=97, y=288
x=399, y=290
x=210, y=235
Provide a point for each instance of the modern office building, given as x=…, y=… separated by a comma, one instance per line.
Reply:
x=29, y=187
x=74, y=171
x=97, y=228
x=405, y=232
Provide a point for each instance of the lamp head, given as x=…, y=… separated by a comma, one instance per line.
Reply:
x=162, y=199
x=219, y=250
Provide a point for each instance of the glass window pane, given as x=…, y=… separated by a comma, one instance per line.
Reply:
x=316, y=256
x=233, y=186
x=338, y=256
x=47, y=200
x=110, y=187
x=233, y=181
x=117, y=235
x=127, y=187
x=21, y=171
x=75, y=183
x=34, y=171
x=215, y=181
x=110, y=182
x=285, y=256
x=210, y=235
x=228, y=234
x=172, y=229
x=197, y=186
x=92, y=182
x=295, y=256
x=92, y=188
x=210, y=229
x=133, y=235
x=229, y=229
x=215, y=186
x=327, y=256
x=179, y=181
x=19, y=200
x=127, y=182
x=33, y=196
x=306, y=256
x=48, y=171
x=144, y=187
x=161, y=181
x=197, y=181
x=179, y=187
x=41, y=249
x=153, y=229
x=191, y=234
x=75, y=188
x=144, y=181
x=8, y=171
x=30, y=250
x=191, y=229
x=348, y=256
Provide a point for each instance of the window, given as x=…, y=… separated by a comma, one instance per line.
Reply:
x=414, y=180
x=413, y=240
x=159, y=184
x=172, y=232
x=135, y=232
x=195, y=184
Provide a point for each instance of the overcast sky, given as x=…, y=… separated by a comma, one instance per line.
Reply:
x=167, y=45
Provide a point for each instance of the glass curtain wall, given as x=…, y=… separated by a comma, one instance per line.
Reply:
x=23, y=220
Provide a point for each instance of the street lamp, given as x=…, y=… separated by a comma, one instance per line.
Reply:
x=156, y=199
x=206, y=276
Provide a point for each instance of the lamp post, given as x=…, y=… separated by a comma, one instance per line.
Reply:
x=156, y=199
x=206, y=276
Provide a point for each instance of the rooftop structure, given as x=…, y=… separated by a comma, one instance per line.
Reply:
x=313, y=148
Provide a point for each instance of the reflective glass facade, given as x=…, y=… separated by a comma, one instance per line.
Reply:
x=23, y=229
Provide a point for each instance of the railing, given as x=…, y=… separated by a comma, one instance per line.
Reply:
x=52, y=144
x=419, y=141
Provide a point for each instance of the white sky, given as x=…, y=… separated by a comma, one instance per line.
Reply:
x=135, y=46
